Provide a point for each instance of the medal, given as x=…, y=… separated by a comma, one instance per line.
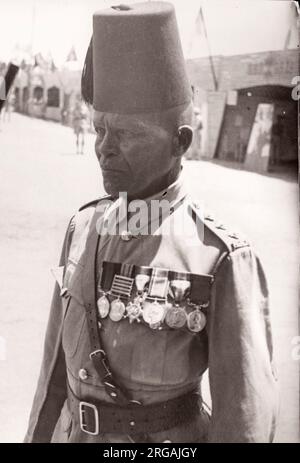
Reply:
x=201, y=290
x=134, y=310
x=121, y=286
x=117, y=310
x=196, y=321
x=157, y=325
x=199, y=299
x=159, y=283
x=178, y=289
x=153, y=312
x=107, y=272
x=140, y=282
x=175, y=317
x=103, y=306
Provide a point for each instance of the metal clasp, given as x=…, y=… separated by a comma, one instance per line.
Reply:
x=83, y=425
x=101, y=351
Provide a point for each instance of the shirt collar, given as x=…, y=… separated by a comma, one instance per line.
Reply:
x=173, y=194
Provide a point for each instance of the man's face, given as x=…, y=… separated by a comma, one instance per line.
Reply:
x=134, y=151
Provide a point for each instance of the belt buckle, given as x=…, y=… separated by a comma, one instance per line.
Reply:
x=82, y=406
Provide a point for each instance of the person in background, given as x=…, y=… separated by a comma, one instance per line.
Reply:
x=80, y=118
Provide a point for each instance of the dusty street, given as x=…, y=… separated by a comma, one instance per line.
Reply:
x=43, y=183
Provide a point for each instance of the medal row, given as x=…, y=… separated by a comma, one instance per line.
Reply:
x=153, y=295
x=153, y=313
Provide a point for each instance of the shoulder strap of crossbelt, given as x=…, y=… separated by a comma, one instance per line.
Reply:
x=98, y=355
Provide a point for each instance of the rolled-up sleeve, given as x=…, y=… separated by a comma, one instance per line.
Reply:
x=242, y=379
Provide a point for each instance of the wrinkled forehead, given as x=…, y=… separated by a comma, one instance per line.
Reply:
x=149, y=121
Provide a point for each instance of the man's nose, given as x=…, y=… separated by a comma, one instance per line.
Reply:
x=106, y=145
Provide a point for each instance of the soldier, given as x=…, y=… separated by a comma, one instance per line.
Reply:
x=80, y=124
x=141, y=316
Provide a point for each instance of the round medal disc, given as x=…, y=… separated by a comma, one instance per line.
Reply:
x=117, y=310
x=103, y=306
x=153, y=312
x=133, y=310
x=196, y=321
x=175, y=317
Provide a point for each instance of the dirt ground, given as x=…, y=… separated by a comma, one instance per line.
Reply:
x=43, y=182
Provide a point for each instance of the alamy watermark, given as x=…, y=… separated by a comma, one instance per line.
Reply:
x=152, y=217
x=2, y=88
x=296, y=348
x=296, y=90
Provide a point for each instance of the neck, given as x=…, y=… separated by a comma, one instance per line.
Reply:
x=157, y=186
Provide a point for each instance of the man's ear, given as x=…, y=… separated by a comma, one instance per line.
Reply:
x=183, y=140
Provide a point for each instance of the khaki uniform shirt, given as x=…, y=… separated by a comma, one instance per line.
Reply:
x=157, y=365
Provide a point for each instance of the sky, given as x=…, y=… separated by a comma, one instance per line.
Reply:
x=233, y=26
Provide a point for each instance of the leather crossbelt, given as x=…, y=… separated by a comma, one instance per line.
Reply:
x=100, y=417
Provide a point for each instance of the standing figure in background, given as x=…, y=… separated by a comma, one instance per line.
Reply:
x=198, y=126
x=8, y=107
x=80, y=123
x=195, y=151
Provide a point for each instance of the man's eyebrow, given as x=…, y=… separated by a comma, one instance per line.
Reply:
x=98, y=122
x=133, y=126
x=129, y=129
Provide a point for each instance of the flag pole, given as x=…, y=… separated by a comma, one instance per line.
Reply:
x=33, y=26
x=216, y=84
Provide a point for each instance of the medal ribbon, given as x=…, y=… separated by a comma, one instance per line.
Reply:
x=123, y=282
x=159, y=283
x=127, y=270
x=179, y=285
x=142, y=277
x=201, y=288
x=108, y=271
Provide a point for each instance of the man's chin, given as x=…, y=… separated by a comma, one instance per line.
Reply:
x=113, y=189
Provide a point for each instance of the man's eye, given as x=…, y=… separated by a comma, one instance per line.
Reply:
x=124, y=134
x=100, y=131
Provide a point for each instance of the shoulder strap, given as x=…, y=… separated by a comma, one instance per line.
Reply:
x=229, y=239
x=81, y=224
x=94, y=202
x=100, y=361
x=79, y=227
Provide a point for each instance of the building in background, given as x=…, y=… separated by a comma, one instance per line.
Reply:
x=244, y=110
x=43, y=90
x=248, y=114
x=251, y=88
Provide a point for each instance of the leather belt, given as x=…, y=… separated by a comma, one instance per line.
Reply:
x=100, y=417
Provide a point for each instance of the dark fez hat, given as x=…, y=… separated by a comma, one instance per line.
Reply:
x=138, y=64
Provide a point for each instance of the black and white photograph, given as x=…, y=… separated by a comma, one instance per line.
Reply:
x=149, y=227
